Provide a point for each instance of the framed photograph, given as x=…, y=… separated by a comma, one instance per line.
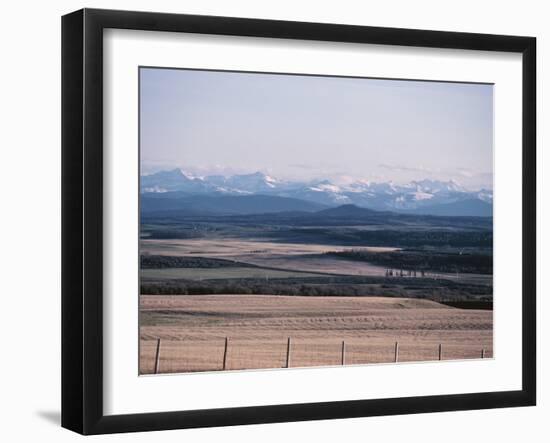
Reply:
x=269, y=221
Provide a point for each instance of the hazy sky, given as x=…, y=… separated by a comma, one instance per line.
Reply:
x=305, y=127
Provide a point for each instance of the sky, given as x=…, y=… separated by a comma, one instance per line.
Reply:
x=297, y=127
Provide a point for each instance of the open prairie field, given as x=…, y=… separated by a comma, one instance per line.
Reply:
x=193, y=328
x=310, y=258
x=236, y=247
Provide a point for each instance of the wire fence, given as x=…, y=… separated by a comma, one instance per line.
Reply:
x=173, y=356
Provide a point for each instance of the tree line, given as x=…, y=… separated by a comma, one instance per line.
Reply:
x=418, y=262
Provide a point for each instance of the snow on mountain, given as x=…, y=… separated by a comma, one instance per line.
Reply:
x=246, y=183
x=326, y=186
x=379, y=196
x=155, y=189
x=173, y=180
x=421, y=195
x=485, y=195
x=359, y=186
x=436, y=186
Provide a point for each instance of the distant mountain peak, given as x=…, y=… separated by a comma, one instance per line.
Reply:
x=172, y=180
x=352, y=195
x=429, y=185
x=349, y=207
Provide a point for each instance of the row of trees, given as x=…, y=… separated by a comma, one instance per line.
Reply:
x=405, y=287
x=422, y=261
x=406, y=273
x=167, y=261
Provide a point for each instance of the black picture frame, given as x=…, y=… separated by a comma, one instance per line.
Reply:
x=82, y=218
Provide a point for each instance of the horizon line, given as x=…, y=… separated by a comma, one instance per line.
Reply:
x=345, y=179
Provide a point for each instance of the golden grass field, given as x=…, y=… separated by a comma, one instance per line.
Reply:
x=284, y=256
x=192, y=329
x=225, y=247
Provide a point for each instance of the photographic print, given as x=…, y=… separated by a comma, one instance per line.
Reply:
x=291, y=220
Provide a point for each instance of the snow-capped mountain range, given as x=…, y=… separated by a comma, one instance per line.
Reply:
x=424, y=196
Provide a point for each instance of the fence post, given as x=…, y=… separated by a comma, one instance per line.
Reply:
x=225, y=353
x=157, y=357
x=483, y=353
x=396, y=352
x=343, y=352
x=288, y=353
x=440, y=353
